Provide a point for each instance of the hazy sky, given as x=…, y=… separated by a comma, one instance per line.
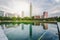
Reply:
x=16, y=6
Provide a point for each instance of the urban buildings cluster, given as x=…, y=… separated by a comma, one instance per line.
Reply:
x=45, y=15
x=8, y=14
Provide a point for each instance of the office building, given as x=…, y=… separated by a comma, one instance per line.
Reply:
x=45, y=14
x=37, y=17
x=30, y=9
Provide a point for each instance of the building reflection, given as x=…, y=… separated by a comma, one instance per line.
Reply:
x=45, y=26
x=22, y=26
x=12, y=25
x=30, y=31
x=3, y=27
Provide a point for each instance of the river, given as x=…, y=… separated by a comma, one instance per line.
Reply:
x=31, y=31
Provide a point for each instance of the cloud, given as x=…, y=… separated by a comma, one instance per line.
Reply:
x=38, y=5
x=57, y=1
x=54, y=9
x=5, y=8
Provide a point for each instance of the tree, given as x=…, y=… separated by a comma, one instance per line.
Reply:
x=18, y=18
x=14, y=18
x=27, y=18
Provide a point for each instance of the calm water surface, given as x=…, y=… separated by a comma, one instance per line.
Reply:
x=33, y=31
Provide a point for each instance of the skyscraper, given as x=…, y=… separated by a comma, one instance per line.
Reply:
x=45, y=14
x=30, y=9
x=22, y=14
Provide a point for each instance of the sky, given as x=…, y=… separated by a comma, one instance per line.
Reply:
x=38, y=6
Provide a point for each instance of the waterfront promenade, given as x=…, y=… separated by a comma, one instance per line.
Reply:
x=2, y=35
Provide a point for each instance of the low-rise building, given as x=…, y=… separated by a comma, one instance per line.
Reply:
x=37, y=17
x=7, y=14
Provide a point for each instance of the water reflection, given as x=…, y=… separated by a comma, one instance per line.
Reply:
x=45, y=26
x=3, y=27
x=31, y=31
x=58, y=30
x=22, y=26
x=36, y=23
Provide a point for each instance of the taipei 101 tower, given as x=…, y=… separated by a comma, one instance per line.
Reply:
x=30, y=9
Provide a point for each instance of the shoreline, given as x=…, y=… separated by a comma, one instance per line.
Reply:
x=32, y=21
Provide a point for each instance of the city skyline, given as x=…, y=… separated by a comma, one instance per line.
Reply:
x=38, y=6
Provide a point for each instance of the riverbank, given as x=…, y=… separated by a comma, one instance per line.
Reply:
x=31, y=21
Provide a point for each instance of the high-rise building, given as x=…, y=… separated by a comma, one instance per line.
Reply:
x=2, y=13
x=45, y=14
x=30, y=9
x=22, y=14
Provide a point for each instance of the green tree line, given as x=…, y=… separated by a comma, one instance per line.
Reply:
x=29, y=18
